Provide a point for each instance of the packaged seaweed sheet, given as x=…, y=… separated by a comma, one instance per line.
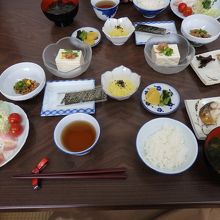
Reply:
x=97, y=94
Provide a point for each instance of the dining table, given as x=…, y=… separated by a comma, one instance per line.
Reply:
x=24, y=33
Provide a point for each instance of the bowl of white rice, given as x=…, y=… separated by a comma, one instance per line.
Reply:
x=150, y=8
x=167, y=145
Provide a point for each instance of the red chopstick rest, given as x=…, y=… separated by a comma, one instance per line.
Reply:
x=40, y=166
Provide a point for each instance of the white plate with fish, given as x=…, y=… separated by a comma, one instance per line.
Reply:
x=10, y=146
x=97, y=35
x=197, y=8
x=55, y=92
x=160, y=99
x=208, y=74
x=204, y=115
x=166, y=145
x=141, y=37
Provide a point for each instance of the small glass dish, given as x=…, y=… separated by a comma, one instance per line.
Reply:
x=68, y=43
x=186, y=50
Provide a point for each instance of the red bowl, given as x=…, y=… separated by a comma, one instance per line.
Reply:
x=212, y=149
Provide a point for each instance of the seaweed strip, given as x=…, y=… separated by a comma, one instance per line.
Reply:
x=97, y=94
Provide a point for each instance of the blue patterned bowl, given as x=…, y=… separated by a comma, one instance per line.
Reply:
x=104, y=12
x=150, y=11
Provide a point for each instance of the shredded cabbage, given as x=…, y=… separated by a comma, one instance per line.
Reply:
x=199, y=9
x=4, y=113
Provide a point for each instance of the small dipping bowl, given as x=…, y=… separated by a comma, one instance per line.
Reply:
x=81, y=133
x=105, y=9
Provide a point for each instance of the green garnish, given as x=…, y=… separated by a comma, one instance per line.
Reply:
x=207, y=4
x=20, y=84
x=165, y=97
x=69, y=54
x=165, y=49
x=82, y=35
x=168, y=51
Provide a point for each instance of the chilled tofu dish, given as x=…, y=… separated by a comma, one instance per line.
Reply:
x=165, y=54
x=67, y=60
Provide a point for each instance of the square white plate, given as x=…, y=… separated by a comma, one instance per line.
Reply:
x=55, y=92
x=192, y=107
x=142, y=37
x=209, y=74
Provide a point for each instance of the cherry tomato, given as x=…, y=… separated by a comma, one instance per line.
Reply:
x=14, y=118
x=15, y=130
x=187, y=11
x=181, y=7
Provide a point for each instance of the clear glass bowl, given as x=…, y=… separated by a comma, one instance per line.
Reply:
x=51, y=51
x=186, y=50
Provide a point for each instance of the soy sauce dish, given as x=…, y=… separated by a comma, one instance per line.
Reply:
x=77, y=134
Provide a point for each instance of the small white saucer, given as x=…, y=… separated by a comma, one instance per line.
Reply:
x=88, y=29
x=157, y=109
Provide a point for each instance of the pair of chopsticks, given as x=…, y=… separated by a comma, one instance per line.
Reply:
x=109, y=173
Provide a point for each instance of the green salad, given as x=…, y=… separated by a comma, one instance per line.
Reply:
x=206, y=7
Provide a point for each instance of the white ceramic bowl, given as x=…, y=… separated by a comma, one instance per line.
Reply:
x=18, y=72
x=105, y=13
x=125, y=23
x=149, y=128
x=150, y=10
x=186, y=50
x=120, y=73
x=199, y=21
x=50, y=52
x=71, y=118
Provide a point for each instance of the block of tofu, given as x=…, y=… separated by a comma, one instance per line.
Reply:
x=67, y=60
x=164, y=60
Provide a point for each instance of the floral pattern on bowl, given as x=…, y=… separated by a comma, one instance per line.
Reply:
x=157, y=109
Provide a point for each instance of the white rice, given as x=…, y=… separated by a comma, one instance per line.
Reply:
x=151, y=4
x=166, y=148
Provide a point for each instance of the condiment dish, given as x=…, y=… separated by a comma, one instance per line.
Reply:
x=18, y=72
x=68, y=43
x=150, y=9
x=120, y=83
x=123, y=24
x=186, y=51
x=201, y=22
x=82, y=133
x=180, y=145
x=166, y=96
x=105, y=11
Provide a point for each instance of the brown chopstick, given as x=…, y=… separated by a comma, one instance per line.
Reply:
x=110, y=173
x=87, y=176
